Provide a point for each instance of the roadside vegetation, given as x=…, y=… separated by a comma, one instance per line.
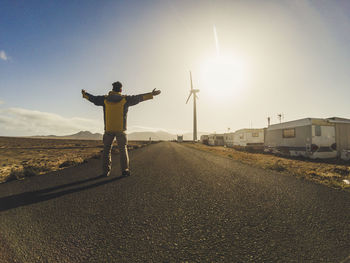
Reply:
x=334, y=174
x=24, y=157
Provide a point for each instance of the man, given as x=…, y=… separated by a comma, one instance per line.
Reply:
x=115, y=109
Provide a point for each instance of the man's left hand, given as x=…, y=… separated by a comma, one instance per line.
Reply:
x=155, y=92
x=83, y=92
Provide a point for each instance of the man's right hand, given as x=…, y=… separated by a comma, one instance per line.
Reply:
x=155, y=92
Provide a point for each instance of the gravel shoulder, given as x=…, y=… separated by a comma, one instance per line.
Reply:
x=25, y=157
x=335, y=174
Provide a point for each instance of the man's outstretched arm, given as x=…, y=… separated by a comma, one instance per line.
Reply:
x=97, y=100
x=135, y=99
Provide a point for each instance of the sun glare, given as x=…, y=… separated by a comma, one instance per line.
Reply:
x=224, y=76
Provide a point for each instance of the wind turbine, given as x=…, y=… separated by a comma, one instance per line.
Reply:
x=193, y=91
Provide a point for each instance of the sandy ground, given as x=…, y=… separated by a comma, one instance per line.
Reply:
x=21, y=157
x=334, y=174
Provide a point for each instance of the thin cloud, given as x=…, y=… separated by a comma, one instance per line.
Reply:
x=44, y=123
x=3, y=55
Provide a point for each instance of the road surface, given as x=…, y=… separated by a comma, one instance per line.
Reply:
x=180, y=204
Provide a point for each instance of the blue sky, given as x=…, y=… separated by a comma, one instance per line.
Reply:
x=288, y=57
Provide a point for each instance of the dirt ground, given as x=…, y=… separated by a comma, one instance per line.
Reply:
x=21, y=157
x=332, y=173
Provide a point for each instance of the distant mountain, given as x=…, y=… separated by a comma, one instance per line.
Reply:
x=189, y=136
x=160, y=135
x=134, y=136
x=155, y=136
x=82, y=135
x=85, y=135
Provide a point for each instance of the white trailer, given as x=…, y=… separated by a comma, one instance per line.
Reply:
x=205, y=139
x=342, y=136
x=309, y=137
x=249, y=137
x=228, y=139
x=216, y=139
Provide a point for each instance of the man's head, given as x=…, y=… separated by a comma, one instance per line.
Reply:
x=117, y=86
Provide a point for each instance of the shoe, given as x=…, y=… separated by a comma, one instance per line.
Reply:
x=106, y=174
x=126, y=173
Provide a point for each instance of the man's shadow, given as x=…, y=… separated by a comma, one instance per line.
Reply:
x=33, y=197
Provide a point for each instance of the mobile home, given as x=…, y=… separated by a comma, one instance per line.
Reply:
x=228, y=139
x=249, y=137
x=216, y=139
x=342, y=136
x=309, y=137
x=205, y=139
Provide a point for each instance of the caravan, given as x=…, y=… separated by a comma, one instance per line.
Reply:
x=249, y=137
x=205, y=139
x=309, y=137
x=342, y=136
x=216, y=139
x=228, y=139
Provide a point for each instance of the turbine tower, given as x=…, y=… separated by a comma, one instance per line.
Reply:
x=194, y=92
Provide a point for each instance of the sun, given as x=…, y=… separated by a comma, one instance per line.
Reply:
x=223, y=75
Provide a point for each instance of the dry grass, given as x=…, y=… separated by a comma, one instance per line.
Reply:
x=22, y=157
x=330, y=174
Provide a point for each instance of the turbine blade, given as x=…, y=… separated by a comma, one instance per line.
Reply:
x=188, y=97
x=191, y=80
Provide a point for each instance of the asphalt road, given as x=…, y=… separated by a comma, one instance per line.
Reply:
x=180, y=204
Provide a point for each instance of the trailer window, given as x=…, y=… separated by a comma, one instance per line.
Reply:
x=288, y=133
x=241, y=136
x=255, y=134
x=317, y=130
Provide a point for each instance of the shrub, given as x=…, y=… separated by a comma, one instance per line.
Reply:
x=26, y=171
x=69, y=163
x=30, y=171
x=96, y=156
x=14, y=175
x=277, y=166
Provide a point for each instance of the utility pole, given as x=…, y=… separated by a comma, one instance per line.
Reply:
x=279, y=117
